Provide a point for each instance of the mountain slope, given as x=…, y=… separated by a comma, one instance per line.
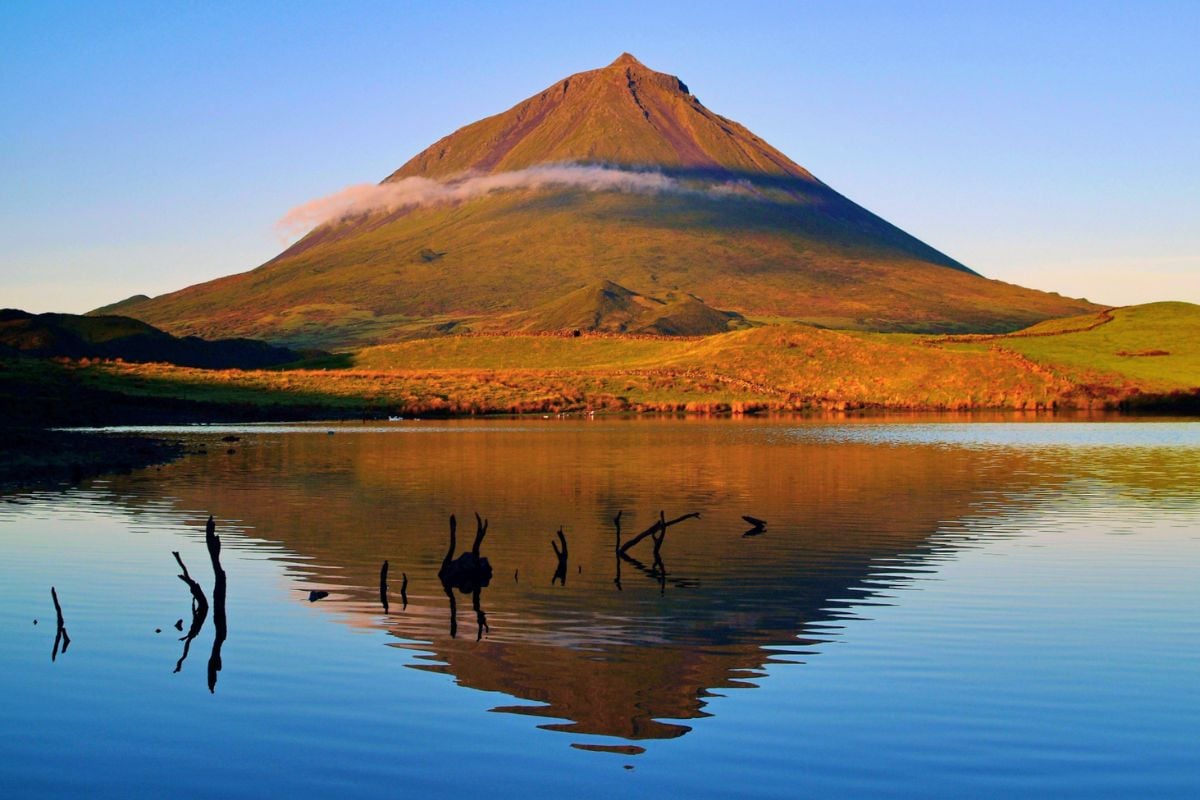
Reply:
x=618, y=174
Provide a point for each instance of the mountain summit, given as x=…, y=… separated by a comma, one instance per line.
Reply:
x=624, y=114
x=612, y=200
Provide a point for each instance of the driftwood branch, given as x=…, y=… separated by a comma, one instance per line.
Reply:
x=659, y=569
x=383, y=586
x=658, y=533
x=658, y=536
x=617, y=550
x=659, y=527
x=757, y=526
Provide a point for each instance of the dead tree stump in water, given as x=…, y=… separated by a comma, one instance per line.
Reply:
x=213, y=543
x=470, y=569
x=469, y=573
x=560, y=573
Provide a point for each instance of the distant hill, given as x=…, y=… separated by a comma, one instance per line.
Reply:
x=115, y=337
x=616, y=175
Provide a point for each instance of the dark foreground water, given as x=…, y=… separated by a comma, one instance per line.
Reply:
x=934, y=609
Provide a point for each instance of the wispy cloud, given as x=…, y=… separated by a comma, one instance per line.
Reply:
x=412, y=192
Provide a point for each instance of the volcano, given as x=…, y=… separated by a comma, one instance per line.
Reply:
x=613, y=200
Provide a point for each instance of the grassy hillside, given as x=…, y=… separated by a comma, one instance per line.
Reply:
x=1155, y=347
x=505, y=254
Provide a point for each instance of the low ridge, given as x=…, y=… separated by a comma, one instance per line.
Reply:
x=611, y=308
x=116, y=337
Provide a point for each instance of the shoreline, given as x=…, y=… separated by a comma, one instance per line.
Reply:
x=45, y=458
x=40, y=458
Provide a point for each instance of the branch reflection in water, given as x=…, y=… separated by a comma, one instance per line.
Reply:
x=60, y=632
x=200, y=606
x=199, y=610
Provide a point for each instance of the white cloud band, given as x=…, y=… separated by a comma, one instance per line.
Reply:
x=412, y=192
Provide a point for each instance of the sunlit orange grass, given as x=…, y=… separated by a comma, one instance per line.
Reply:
x=817, y=367
x=423, y=391
x=774, y=370
x=781, y=367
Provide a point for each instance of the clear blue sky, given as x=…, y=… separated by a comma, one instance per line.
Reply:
x=148, y=146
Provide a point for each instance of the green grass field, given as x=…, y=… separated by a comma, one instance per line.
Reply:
x=1154, y=346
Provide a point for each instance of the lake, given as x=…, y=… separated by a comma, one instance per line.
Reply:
x=934, y=607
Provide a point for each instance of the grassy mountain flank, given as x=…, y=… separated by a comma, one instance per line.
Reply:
x=740, y=227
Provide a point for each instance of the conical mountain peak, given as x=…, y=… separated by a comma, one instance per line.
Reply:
x=627, y=60
x=625, y=114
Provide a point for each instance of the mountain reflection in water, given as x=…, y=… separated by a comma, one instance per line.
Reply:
x=631, y=653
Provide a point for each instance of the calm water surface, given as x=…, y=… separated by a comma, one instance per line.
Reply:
x=934, y=609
